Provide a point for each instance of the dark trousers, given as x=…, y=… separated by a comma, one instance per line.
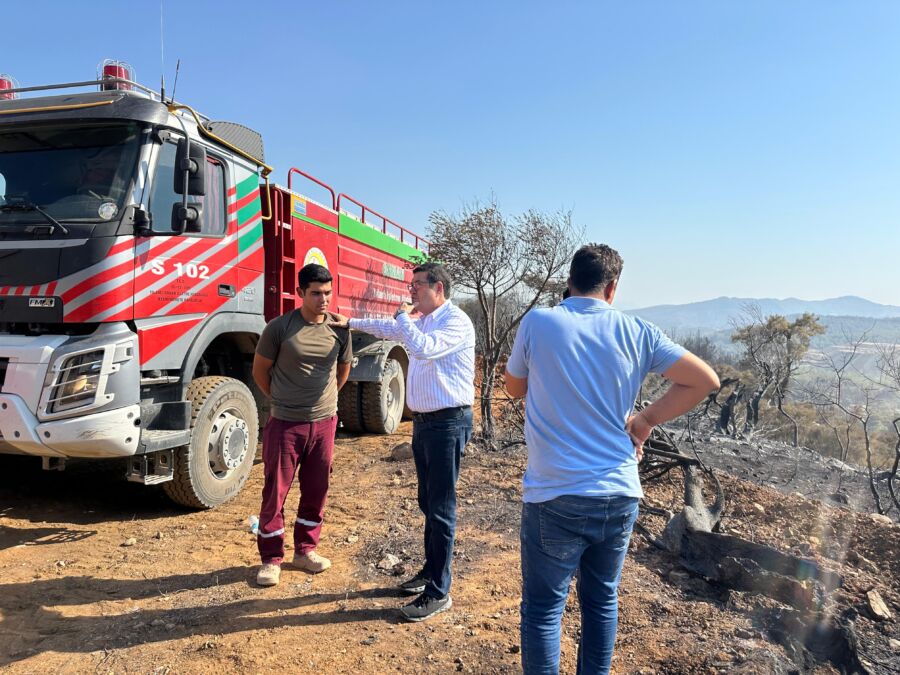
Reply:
x=438, y=441
x=587, y=535
x=288, y=446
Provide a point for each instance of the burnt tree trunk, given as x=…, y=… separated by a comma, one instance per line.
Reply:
x=871, y=469
x=893, y=475
x=726, y=414
x=488, y=380
x=752, y=418
x=756, y=568
x=784, y=413
x=735, y=562
x=804, y=622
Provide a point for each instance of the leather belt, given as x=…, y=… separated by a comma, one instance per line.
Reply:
x=442, y=414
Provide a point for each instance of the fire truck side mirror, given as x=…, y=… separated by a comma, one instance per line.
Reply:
x=195, y=165
x=187, y=218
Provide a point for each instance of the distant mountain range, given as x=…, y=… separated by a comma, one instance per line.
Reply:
x=845, y=319
x=720, y=313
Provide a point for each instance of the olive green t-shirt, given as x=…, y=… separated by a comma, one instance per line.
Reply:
x=304, y=376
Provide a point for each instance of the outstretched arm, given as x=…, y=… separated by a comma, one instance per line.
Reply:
x=380, y=328
x=455, y=335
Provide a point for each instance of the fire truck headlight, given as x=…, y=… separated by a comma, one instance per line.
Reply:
x=77, y=381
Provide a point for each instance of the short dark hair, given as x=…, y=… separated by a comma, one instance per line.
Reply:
x=594, y=267
x=312, y=274
x=436, y=272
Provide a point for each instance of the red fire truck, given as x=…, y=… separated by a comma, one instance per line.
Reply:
x=142, y=251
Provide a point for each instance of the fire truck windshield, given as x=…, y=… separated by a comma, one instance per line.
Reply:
x=73, y=173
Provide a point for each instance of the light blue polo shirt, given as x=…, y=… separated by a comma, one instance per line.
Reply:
x=585, y=363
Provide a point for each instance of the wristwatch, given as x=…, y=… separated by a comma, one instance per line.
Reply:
x=398, y=313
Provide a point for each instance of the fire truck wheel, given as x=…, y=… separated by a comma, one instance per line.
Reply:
x=214, y=466
x=382, y=401
x=350, y=407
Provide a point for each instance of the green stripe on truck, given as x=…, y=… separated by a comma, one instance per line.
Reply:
x=248, y=238
x=246, y=186
x=352, y=228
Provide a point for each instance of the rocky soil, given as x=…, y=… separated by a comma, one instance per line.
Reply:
x=97, y=575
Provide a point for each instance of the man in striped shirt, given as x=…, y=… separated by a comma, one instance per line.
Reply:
x=440, y=392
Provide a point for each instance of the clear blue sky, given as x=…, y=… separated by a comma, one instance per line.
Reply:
x=725, y=148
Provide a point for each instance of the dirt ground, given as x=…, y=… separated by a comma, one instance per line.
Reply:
x=180, y=597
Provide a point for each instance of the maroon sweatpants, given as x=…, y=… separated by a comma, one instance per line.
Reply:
x=287, y=446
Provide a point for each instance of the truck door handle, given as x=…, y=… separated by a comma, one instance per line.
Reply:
x=226, y=290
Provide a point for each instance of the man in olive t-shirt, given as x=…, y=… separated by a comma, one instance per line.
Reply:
x=301, y=362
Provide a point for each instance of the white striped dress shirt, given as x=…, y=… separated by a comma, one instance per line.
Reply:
x=441, y=347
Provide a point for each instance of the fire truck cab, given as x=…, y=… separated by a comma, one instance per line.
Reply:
x=142, y=250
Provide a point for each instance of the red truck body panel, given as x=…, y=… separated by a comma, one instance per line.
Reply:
x=371, y=268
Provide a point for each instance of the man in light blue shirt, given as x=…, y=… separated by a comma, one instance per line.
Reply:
x=580, y=366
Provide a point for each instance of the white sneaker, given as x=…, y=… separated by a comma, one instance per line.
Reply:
x=268, y=575
x=311, y=562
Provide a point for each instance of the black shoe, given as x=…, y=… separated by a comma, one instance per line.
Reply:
x=425, y=607
x=415, y=585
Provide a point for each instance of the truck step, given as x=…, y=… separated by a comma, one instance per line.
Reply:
x=150, y=480
x=153, y=440
x=152, y=468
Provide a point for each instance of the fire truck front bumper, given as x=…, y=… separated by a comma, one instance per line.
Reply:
x=112, y=433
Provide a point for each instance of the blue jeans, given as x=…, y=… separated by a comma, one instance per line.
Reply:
x=438, y=442
x=560, y=536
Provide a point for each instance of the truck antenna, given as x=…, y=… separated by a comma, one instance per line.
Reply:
x=175, y=84
x=162, y=56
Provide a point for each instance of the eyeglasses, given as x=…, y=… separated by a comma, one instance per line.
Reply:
x=418, y=284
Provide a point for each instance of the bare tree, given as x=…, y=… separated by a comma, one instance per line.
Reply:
x=849, y=391
x=841, y=428
x=509, y=265
x=793, y=344
x=889, y=367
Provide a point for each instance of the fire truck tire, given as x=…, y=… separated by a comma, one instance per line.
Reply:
x=350, y=407
x=383, y=401
x=214, y=467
